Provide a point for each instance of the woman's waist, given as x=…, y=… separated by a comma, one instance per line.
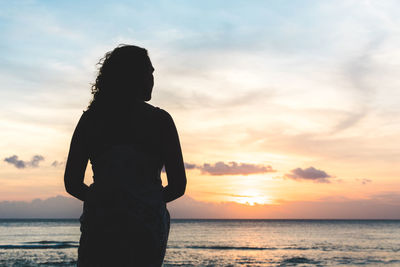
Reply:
x=111, y=206
x=105, y=193
x=127, y=180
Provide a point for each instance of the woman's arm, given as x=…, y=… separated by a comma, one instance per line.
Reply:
x=173, y=159
x=76, y=163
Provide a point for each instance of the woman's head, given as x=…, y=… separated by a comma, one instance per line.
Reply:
x=125, y=75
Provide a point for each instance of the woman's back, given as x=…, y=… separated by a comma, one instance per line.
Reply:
x=126, y=199
x=127, y=142
x=124, y=221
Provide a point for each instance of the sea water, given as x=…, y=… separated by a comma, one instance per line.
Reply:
x=222, y=243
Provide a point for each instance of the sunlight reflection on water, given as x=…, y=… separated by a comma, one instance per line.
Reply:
x=222, y=243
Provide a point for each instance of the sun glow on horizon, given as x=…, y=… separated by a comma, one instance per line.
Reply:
x=251, y=198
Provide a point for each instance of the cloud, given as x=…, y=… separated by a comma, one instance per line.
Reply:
x=234, y=168
x=20, y=164
x=57, y=163
x=17, y=163
x=230, y=168
x=384, y=205
x=380, y=206
x=350, y=120
x=311, y=173
x=189, y=166
x=35, y=160
x=54, y=207
x=390, y=198
x=364, y=180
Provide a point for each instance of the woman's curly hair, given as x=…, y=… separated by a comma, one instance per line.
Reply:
x=120, y=76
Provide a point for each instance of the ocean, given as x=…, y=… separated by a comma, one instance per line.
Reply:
x=53, y=242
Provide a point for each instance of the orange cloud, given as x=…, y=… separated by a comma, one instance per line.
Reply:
x=234, y=168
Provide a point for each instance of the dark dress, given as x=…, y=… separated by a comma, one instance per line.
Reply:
x=124, y=221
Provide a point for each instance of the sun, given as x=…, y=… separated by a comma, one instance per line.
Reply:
x=251, y=198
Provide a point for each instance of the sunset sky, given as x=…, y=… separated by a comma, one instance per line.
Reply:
x=282, y=107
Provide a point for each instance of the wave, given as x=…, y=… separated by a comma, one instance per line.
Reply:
x=45, y=244
x=323, y=248
x=248, y=248
x=245, y=248
x=229, y=247
x=297, y=260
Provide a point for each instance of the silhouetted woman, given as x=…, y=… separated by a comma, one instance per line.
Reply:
x=124, y=221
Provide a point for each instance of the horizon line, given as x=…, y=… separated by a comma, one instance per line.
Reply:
x=237, y=219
